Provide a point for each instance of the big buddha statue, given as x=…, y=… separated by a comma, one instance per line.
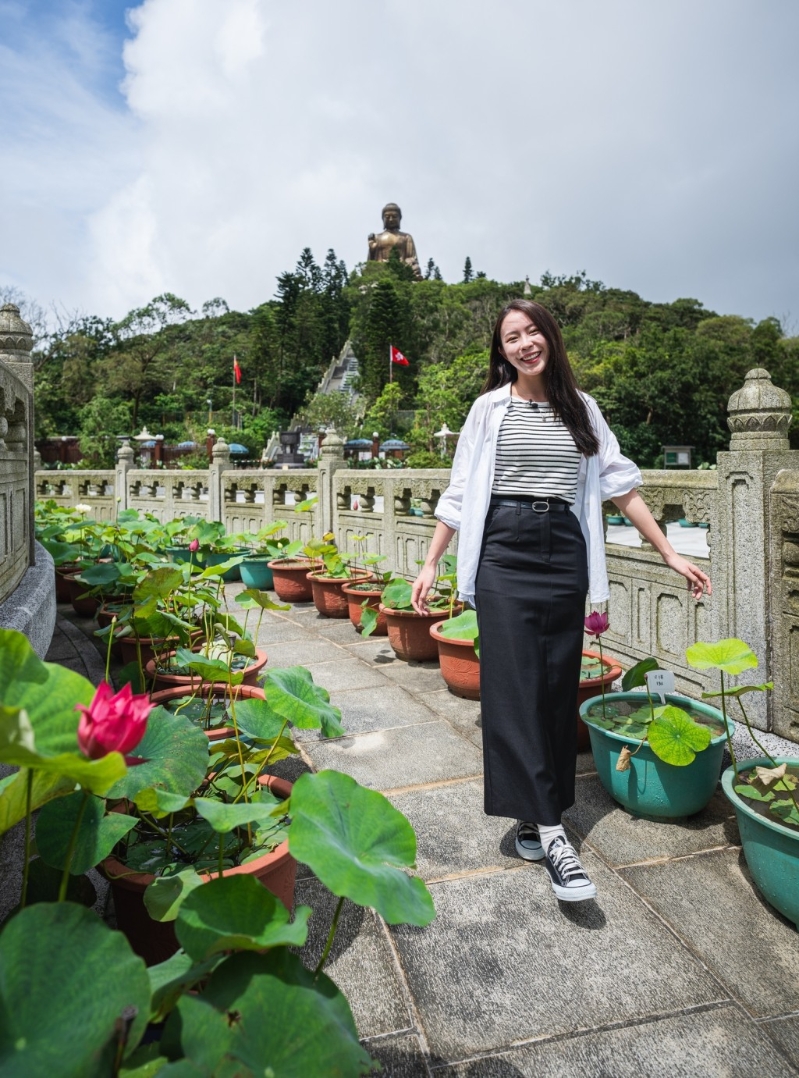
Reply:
x=382, y=244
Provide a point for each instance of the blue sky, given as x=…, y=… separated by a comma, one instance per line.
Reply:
x=198, y=146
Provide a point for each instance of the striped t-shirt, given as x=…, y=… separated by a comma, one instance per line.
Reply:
x=536, y=454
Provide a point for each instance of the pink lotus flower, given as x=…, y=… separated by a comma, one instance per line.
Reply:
x=112, y=722
x=596, y=623
x=194, y=546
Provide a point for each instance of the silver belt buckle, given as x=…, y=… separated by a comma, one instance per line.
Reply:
x=540, y=501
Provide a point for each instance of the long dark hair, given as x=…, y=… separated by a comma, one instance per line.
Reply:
x=561, y=386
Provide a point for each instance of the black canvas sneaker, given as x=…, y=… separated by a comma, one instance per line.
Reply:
x=569, y=879
x=528, y=842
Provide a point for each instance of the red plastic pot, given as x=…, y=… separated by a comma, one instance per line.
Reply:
x=290, y=578
x=355, y=600
x=240, y=692
x=593, y=687
x=191, y=682
x=328, y=594
x=409, y=633
x=155, y=941
x=460, y=667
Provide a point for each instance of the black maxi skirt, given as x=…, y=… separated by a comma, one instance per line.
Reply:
x=530, y=592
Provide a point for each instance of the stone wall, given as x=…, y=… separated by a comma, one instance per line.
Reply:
x=750, y=503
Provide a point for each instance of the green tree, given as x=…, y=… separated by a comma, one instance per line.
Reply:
x=467, y=271
x=382, y=416
x=100, y=421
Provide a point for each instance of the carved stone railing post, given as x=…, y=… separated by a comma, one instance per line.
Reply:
x=784, y=624
x=331, y=458
x=759, y=417
x=16, y=343
x=220, y=460
x=125, y=458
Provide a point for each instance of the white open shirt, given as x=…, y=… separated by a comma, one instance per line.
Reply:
x=464, y=504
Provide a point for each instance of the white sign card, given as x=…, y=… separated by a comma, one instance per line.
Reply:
x=660, y=682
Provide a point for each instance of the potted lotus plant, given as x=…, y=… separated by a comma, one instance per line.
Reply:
x=264, y=546
x=64, y=969
x=337, y=571
x=661, y=759
x=764, y=791
x=408, y=631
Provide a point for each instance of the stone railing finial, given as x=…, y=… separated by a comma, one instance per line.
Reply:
x=759, y=415
x=220, y=454
x=16, y=342
x=125, y=454
x=332, y=446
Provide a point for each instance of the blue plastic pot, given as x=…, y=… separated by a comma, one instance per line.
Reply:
x=213, y=558
x=771, y=849
x=255, y=572
x=651, y=787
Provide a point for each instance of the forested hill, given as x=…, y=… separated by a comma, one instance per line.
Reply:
x=662, y=373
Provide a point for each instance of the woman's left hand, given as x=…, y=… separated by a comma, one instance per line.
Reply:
x=698, y=582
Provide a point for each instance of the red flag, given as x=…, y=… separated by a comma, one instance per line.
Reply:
x=237, y=371
x=397, y=357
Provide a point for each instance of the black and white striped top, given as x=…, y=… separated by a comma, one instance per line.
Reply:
x=536, y=454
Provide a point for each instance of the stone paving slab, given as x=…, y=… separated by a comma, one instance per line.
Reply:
x=623, y=839
x=345, y=674
x=504, y=961
x=304, y=652
x=453, y=833
x=715, y=1043
x=399, y=757
x=400, y=1057
x=712, y=903
x=363, y=710
x=374, y=649
x=416, y=677
x=785, y=1031
x=276, y=631
x=464, y=715
x=361, y=961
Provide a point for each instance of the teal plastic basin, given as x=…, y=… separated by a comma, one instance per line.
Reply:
x=771, y=850
x=255, y=572
x=652, y=787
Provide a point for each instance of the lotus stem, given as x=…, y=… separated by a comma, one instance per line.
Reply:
x=26, y=865
x=727, y=725
x=768, y=755
x=221, y=854
x=108, y=649
x=73, y=840
x=330, y=936
x=601, y=675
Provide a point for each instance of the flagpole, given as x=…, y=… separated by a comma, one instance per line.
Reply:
x=233, y=406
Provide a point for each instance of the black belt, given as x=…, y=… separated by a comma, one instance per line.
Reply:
x=538, y=505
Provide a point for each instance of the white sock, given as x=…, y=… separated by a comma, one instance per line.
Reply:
x=549, y=833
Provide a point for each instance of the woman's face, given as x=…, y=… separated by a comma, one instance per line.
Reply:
x=522, y=344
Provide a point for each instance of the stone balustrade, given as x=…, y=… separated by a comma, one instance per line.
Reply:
x=750, y=503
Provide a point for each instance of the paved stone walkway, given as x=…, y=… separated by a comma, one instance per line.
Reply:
x=678, y=968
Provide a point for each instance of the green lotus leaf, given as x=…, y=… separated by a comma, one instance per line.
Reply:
x=159, y=803
x=368, y=622
x=740, y=690
x=357, y=843
x=159, y=583
x=636, y=675
x=165, y=895
x=213, y=670
x=100, y=575
x=67, y=980
x=397, y=595
x=224, y=818
x=674, y=736
x=237, y=913
x=291, y=693
x=251, y=597
x=255, y=718
x=787, y=810
x=731, y=655
x=175, y=754
x=168, y=981
x=752, y=792
x=96, y=836
x=310, y=1030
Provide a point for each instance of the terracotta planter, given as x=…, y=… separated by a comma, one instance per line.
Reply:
x=354, y=600
x=84, y=605
x=240, y=692
x=106, y=616
x=460, y=667
x=328, y=595
x=61, y=584
x=593, y=687
x=155, y=941
x=290, y=576
x=409, y=633
x=191, y=682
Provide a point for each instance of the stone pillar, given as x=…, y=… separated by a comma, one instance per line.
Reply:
x=220, y=461
x=16, y=343
x=125, y=459
x=759, y=417
x=330, y=460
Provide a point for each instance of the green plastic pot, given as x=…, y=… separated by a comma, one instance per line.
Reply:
x=651, y=787
x=771, y=849
x=255, y=572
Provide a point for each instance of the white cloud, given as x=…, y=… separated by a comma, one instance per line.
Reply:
x=652, y=145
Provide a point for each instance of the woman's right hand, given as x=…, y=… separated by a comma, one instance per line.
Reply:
x=421, y=586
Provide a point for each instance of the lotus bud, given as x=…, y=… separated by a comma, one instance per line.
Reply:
x=112, y=722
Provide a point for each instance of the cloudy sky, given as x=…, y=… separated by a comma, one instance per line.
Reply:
x=197, y=146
